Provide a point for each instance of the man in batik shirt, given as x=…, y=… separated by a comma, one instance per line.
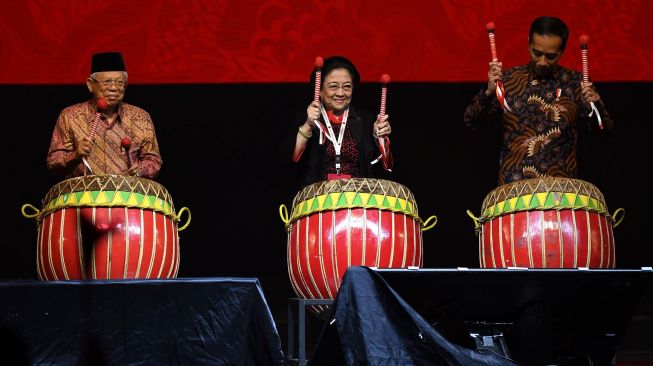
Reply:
x=87, y=138
x=544, y=102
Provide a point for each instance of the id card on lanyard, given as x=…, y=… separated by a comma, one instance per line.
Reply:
x=337, y=142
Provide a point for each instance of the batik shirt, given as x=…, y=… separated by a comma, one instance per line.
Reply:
x=107, y=155
x=540, y=134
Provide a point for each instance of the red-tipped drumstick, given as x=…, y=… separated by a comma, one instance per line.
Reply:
x=493, y=46
x=500, y=91
x=319, y=62
x=384, y=142
x=126, y=144
x=385, y=79
x=584, y=40
x=100, y=106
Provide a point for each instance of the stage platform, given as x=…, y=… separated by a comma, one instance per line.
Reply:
x=214, y=321
x=527, y=316
x=202, y=321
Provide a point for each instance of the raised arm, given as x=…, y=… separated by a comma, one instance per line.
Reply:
x=484, y=105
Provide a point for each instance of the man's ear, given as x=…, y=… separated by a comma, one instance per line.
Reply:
x=89, y=85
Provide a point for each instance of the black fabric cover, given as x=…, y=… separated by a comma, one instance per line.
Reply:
x=213, y=321
x=377, y=327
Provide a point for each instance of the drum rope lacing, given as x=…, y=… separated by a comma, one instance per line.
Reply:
x=107, y=183
x=547, y=186
x=355, y=186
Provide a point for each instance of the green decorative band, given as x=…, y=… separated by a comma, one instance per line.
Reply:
x=344, y=200
x=545, y=201
x=109, y=199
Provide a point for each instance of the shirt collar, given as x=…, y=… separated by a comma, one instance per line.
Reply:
x=333, y=118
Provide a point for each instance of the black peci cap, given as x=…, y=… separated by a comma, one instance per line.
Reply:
x=107, y=61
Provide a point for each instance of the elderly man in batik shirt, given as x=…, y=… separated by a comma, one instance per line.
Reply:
x=544, y=102
x=87, y=138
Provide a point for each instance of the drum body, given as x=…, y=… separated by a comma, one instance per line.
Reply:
x=350, y=222
x=546, y=223
x=107, y=227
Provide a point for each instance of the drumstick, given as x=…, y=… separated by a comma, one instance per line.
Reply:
x=384, y=141
x=385, y=79
x=100, y=105
x=319, y=62
x=584, y=40
x=500, y=91
x=493, y=46
x=126, y=144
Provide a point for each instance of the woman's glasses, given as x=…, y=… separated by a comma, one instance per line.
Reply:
x=347, y=88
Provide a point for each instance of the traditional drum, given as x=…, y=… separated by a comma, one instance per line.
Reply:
x=546, y=223
x=107, y=227
x=350, y=222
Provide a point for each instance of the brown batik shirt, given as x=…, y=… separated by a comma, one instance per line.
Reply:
x=107, y=155
x=539, y=135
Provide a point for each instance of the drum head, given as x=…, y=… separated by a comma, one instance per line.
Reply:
x=543, y=194
x=109, y=191
x=354, y=193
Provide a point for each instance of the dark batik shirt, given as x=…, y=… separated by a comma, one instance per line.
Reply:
x=539, y=135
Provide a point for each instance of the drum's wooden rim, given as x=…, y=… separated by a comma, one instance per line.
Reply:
x=369, y=193
x=109, y=191
x=543, y=194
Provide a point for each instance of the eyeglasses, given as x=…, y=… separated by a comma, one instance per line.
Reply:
x=347, y=88
x=120, y=83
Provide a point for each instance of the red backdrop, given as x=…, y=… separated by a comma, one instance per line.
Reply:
x=220, y=41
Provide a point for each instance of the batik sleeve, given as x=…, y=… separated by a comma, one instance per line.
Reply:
x=62, y=158
x=481, y=109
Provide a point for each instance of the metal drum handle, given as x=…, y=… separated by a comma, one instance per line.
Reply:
x=477, y=222
x=178, y=217
x=428, y=225
x=618, y=220
x=283, y=213
x=36, y=211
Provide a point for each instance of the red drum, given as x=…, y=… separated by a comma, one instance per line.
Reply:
x=107, y=227
x=546, y=223
x=350, y=222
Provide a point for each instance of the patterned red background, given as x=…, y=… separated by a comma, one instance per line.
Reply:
x=221, y=41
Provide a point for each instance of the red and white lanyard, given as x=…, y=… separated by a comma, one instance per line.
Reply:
x=337, y=143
